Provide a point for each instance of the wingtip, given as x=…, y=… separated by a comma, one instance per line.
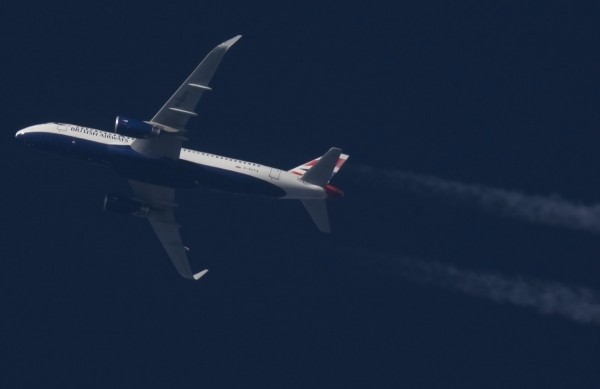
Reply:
x=199, y=275
x=228, y=43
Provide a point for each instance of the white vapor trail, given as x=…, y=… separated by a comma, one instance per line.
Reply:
x=579, y=304
x=539, y=209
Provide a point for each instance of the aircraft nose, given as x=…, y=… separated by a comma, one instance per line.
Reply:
x=21, y=132
x=20, y=136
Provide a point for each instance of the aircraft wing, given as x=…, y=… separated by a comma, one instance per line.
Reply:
x=162, y=201
x=173, y=117
x=181, y=106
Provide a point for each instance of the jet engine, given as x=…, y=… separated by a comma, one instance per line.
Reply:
x=125, y=205
x=135, y=128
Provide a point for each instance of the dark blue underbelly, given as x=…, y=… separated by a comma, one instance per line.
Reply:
x=184, y=174
x=159, y=171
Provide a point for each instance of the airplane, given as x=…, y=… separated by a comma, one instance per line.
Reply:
x=150, y=155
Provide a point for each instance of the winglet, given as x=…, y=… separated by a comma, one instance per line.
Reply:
x=227, y=44
x=199, y=275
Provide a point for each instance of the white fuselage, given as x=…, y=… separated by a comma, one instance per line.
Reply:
x=193, y=168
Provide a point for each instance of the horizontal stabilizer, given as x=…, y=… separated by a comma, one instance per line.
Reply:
x=318, y=212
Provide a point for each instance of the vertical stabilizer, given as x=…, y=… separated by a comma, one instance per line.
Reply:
x=302, y=169
x=318, y=212
x=319, y=172
x=322, y=171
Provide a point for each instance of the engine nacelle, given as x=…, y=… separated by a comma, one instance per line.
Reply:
x=125, y=205
x=135, y=128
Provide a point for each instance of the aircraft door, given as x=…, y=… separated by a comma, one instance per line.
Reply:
x=274, y=174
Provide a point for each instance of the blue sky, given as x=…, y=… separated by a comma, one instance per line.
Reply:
x=489, y=94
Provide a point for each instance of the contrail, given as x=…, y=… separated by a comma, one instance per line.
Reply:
x=579, y=304
x=539, y=209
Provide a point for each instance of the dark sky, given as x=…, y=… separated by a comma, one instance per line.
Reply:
x=502, y=95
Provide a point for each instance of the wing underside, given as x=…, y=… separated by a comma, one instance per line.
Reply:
x=172, y=119
x=182, y=105
x=161, y=199
x=174, y=115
